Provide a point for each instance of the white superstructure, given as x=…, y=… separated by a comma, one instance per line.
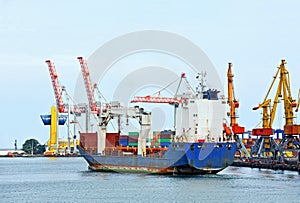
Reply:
x=200, y=117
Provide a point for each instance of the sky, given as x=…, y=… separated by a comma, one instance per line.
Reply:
x=253, y=35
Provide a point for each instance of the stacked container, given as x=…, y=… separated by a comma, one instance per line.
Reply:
x=165, y=138
x=155, y=141
x=133, y=139
x=124, y=140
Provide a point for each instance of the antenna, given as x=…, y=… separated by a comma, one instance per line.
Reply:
x=201, y=78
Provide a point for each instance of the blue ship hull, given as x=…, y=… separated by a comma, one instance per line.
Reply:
x=179, y=158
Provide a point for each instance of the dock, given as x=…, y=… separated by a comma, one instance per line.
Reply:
x=266, y=165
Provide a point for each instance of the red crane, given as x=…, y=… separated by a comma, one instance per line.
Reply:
x=88, y=86
x=159, y=99
x=58, y=92
x=57, y=88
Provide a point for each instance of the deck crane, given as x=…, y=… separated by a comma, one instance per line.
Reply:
x=103, y=117
x=266, y=143
x=159, y=99
x=234, y=104
x=146, y=118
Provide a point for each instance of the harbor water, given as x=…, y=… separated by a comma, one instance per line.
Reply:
x=68, y=180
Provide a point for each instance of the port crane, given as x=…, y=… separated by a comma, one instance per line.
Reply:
x=60, y=92
x=291, y=130
x=113, y=109
x=266, y=143
x=234, y=104
x=61, y=107
x=88, y=86
x=103, y=115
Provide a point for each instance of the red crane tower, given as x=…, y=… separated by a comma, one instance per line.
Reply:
x=59, y=90
x=56, y=87
x=88, y=86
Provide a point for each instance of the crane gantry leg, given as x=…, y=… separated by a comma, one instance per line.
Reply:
x=264, y=146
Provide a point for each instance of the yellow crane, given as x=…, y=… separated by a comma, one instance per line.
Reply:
x=266, y=115
x=234, y=104
x=266, y=143
x=269, y=111
x=291, y=130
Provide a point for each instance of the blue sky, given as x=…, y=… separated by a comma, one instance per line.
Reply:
x=254, y=35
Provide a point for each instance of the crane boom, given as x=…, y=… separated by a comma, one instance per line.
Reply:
x=151, y=99
x=61, y=93
x=266, y=117
x=57, y=88
x=88, y=85
x=289, y=103
x=159, y=99
x=231, y=97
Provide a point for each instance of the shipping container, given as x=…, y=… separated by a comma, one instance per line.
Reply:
x=133, y=134
x=132, y=144
x=112, y=139
x=124, y=140
x=166, y=136
x=167, y=132
x=164, y=140
x=165, y=144
x=89, y=141
x=132, y=139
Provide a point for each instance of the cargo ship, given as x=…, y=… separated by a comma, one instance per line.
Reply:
x=197, y=145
